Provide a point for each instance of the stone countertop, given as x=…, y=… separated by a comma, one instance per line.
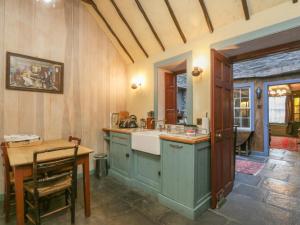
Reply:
x=165, y=136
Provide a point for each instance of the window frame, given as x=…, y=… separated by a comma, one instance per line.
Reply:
x=249, y=85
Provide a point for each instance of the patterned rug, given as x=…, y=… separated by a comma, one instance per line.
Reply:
x=248, y=167
x=287, y=143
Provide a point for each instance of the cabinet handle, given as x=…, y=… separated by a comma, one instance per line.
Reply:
x=159, y=173
x=127, y=155
x=176, y=146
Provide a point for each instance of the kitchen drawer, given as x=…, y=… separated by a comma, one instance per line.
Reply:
x=119, y=138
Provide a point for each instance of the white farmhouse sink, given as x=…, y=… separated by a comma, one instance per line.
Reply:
x=146, y=141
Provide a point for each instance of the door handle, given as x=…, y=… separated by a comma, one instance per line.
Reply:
x=219, y=135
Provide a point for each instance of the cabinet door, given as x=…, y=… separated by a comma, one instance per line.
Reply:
x=178, y=172
x=147, y=169
x=120, y=154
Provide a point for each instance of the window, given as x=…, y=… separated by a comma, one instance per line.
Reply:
x=277, y=109
x=242, y=107
x=297, y=109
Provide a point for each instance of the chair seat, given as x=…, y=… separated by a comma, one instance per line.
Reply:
x=50, y=188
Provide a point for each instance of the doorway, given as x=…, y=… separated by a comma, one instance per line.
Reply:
x=282, y=115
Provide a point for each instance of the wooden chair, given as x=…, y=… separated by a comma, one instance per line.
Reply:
x=51, y=180
x=9, y=192
x=75, y=139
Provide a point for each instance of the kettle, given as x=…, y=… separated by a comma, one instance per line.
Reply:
x=132, y=122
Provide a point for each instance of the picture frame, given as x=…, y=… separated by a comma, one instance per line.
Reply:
x=114, y=123
x=27, y=73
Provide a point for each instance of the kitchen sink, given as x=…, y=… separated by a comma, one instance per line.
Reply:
x=146, y=141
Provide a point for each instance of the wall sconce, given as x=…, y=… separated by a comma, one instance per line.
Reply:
x=135, y=86
x=197, y=71
x=137, y=82
x=258, y=93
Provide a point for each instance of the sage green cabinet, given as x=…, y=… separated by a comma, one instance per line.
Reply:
x=177, y=168
x=147, y=170
x=120, y=154
x=186, y=177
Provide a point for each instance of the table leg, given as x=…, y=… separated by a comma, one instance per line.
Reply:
x=19, y=189
x=86, y=186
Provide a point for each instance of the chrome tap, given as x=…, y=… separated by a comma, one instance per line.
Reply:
x=160, y=126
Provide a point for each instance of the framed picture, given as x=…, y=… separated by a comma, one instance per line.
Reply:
x=28, y=73
x=114, y=123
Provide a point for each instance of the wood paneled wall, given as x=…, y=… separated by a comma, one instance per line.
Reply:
x=95, y=74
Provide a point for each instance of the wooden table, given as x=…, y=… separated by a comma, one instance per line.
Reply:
x=21, y=160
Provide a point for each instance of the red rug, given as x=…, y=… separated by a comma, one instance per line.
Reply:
x=287, y=143
x=248, y=167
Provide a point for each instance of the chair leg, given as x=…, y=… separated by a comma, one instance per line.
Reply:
x=7, y=203
x=73, y=193
x=37, y=211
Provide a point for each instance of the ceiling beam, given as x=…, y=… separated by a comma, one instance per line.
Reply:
x=149, y=24
x=129, y=28
x=291, y=46
x=246, y=9
x=175, y=21
x=93, y=4
x=206, y=15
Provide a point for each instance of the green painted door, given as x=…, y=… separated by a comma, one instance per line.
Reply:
x=178, y=172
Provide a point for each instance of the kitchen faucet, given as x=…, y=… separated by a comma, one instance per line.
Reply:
x=156, y=122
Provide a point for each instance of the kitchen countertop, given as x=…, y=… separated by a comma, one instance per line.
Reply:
x=169, y=137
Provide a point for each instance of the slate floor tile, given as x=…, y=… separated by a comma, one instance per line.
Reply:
x=283, y=201
x=279, y=175
x=281, y=162
x=151, y=208
x=251, y=212
x=294, y=180
x=251, y=191
x=210, y=218
x=248, y=179
x=281, y=187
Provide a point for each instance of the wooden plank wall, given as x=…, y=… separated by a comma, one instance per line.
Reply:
x=95, y=74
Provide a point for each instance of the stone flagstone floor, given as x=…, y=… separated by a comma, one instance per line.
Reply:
x=270, y=198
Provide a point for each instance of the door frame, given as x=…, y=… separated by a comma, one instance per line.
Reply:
x=267, y=84
x=188, y=56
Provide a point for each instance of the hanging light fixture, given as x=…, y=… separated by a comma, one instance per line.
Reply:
x=50, y=2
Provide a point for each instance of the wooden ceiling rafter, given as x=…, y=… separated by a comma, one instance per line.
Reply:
x=139, y=5
x=129, y=27
x=95, y=7
x=175, y=21
x=206, y=15
x=246, y=9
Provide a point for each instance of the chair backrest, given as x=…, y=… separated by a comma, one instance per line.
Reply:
x=6, y=164
x=47, y=171
x=75, y=139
